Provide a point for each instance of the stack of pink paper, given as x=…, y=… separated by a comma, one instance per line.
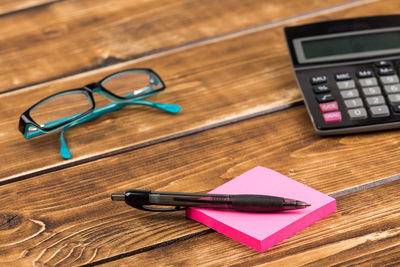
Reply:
x=264, y=230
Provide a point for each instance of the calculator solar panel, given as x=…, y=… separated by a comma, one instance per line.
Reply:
x=348, y=73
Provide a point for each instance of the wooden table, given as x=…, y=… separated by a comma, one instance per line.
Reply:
x=226, y=64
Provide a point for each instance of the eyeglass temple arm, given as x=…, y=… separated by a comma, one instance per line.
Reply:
x=64, y=150
x=171, y=108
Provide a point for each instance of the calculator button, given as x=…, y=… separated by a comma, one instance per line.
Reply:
x=332, y=116
x=389, y=79
x=321, y=88
x=364, y=74
x=346, y=85
x=349, y=93
x=379, y=111
x=318, y=79
x=370, y=91
x=353, y=103
x=386, y=71
x=357, y=113
x=383, y=63
x=393, y=88
x=394, y=98
x=396, y=108
x=368, y=82
x=325, y=98
x=328, y=107
x=342, y=76
x=375, y=100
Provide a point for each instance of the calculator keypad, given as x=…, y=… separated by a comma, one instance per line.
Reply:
x=365, y=93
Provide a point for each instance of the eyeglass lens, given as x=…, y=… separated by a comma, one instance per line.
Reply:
x=131, y=83
x=61, y=108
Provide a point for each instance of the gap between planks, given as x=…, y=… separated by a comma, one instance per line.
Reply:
x=61, y=166
x=197, y=130
x=340, y=193
x=10, y=13
x=112, y=62
x=190, y=45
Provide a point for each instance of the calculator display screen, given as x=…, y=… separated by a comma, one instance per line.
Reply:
x=347, y=45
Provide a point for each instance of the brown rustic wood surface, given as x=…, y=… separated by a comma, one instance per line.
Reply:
x=250, y=75
x=87, y=34
x=8, y=7
x=66, y=228
x=363, y=231
x=225, y=63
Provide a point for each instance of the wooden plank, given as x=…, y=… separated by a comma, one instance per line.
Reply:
x=365, y=231
x=67, y=217
x=11, y=6
x=74, y=36
x=250, y=75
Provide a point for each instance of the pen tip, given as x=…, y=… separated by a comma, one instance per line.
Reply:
x=302, y=205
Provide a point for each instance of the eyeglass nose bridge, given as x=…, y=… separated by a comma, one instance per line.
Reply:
x=92, y=86
x=96, y=87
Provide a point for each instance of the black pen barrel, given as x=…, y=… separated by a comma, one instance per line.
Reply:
x=264, y=203
x=191, y=199
x=257, y=203
x=250, y=203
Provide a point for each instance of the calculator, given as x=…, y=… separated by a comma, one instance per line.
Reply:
x=348, y=73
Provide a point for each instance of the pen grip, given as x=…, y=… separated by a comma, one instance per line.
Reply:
x=257, y=203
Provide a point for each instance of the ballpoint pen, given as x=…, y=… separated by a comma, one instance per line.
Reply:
x=251, y=203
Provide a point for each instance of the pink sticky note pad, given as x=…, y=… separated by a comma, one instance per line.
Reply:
x=264, y=230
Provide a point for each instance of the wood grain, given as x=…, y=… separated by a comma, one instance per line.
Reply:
x=8, y=7
x=73, y=36
x=250, y=75
x=67, y=217
x=365, y=231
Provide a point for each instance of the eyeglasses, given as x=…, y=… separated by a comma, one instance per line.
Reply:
x=73, y=107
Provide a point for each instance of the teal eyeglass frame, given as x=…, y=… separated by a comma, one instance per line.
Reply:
x=29, y=128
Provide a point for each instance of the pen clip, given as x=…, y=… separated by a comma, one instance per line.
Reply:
x=141, y=207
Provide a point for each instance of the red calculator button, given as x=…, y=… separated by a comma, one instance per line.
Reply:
x=329, y=106
x=332, y=116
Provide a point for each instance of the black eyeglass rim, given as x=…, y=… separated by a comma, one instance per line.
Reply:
x=99, y=84
x=26, y=119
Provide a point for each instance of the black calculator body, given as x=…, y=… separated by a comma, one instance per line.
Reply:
x=348, y=72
